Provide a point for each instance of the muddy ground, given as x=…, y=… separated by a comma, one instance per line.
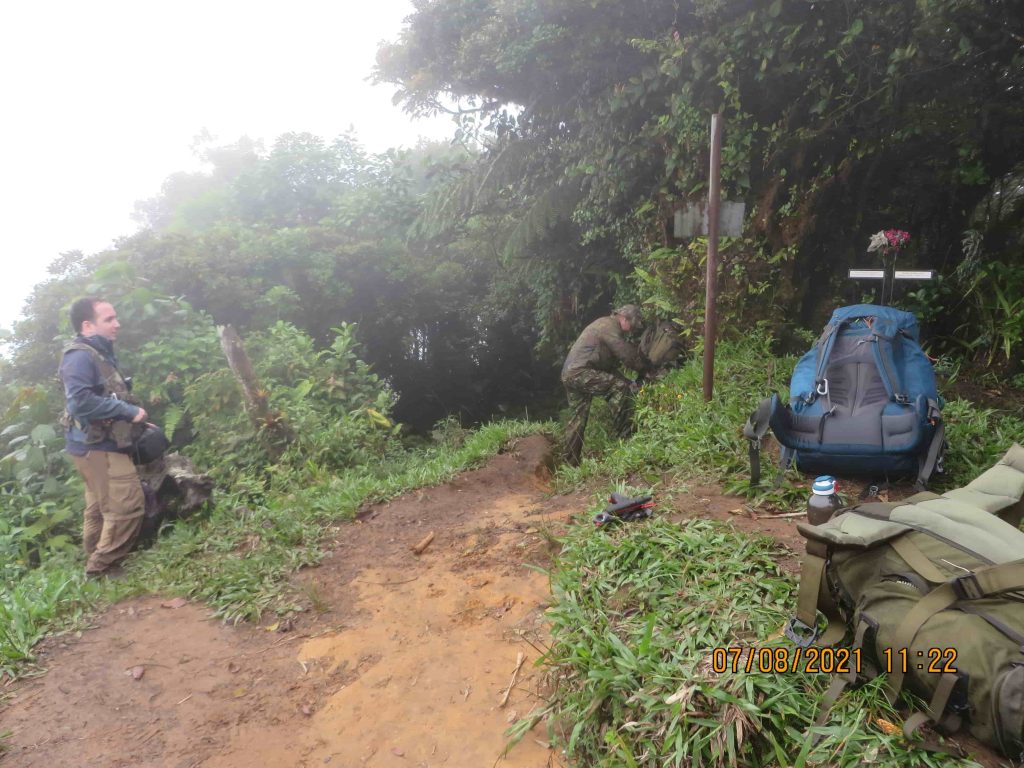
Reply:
x=401, y=659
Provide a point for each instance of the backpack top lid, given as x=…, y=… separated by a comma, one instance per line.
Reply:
x=887, y=320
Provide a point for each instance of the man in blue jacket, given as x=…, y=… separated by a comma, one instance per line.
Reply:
x=99, y=420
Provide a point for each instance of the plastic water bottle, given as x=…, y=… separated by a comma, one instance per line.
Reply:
x=824, y=501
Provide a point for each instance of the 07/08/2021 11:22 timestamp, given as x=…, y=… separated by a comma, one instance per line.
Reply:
x=829, y=661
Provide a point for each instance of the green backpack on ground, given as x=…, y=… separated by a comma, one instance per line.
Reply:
x=929, y=591
x=662, y=344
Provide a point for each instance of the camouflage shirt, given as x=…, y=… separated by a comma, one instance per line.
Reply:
x=602, y=347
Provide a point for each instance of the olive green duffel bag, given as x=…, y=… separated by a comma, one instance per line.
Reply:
x=930, y=592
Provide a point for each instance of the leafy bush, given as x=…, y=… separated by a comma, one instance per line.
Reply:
x=38, y=487
x=333, y=405
x=40, y=601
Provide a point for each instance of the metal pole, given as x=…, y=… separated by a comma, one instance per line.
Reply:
x=714, y=200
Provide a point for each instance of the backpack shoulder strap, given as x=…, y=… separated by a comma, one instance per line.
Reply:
x=885, y=359
x=112, y=377
x=824, y=345
x=76, y=345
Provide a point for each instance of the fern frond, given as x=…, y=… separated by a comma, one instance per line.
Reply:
x=172, y=417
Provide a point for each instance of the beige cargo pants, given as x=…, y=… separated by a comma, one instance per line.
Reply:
x=114, y=505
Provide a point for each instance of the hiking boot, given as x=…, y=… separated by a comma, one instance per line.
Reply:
x=111, y=572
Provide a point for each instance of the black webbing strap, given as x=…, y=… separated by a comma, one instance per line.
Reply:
x=889, y=371
x=754, y=430
x=786, y=455
x=926, y=465
x=824, y=346
x=821, y=423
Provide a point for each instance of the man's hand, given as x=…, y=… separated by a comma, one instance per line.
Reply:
x=140, y=416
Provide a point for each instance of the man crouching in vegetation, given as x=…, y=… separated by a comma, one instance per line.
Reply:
x=592, y=368
x=98, y=419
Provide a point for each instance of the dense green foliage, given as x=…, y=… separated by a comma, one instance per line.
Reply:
x=317, y=235
x=842, y=119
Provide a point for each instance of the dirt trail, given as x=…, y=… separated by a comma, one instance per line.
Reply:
x=402, y=660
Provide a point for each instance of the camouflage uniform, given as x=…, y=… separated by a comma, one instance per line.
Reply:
x=592, y=368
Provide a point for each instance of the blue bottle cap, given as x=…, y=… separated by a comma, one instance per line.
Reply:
x=825, y=485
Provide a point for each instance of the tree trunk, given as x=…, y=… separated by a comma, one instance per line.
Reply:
x=269, y=423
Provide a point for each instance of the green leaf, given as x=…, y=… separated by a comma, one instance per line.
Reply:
x=11, y=429
x=775, y=8
x=856, y=28
x=43, y=433
x=35, y=458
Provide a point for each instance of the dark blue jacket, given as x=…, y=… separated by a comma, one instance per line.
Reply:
x=83, y=391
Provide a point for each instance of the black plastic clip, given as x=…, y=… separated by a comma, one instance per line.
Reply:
x=799, y=633
x=966, y=587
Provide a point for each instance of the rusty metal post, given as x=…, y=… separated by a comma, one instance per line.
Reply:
x=711, y=295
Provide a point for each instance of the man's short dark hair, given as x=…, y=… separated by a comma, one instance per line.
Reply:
x=84, y=309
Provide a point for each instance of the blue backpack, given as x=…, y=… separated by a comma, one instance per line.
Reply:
x=862, y=401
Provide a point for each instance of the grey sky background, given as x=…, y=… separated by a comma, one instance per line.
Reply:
x=102, y=101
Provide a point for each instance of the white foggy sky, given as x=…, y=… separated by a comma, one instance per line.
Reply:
x=101, y=101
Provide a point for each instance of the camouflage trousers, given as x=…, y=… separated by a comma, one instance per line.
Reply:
x=581, y=386
x=114, y=504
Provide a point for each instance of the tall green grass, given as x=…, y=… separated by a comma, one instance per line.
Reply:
x=638, y=611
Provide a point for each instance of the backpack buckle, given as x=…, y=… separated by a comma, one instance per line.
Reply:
x=901, y=399
x=799, y=633
x=966, y=587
